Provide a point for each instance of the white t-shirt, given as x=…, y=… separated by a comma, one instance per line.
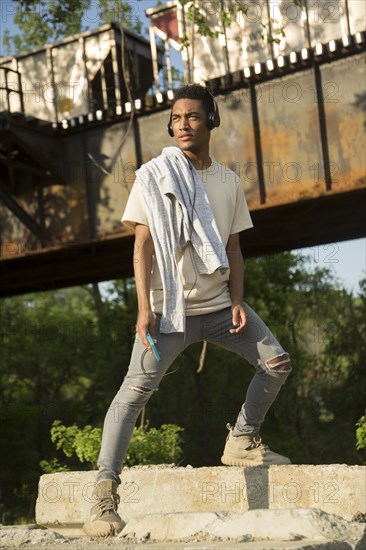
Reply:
x=203, y=293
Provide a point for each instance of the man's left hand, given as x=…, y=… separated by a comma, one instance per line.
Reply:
x=239, y=318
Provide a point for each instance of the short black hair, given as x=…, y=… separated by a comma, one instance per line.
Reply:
x=195, y=91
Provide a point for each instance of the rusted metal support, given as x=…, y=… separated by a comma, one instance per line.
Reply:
x=7, y=90
x=347, y=18
x=322, y=126
x=41, y=214
x=20, y=213
x=116, y=76
x=257, y=141
x=49, y=57
x=137, y=140
x=86, y=76
x=89, y=189
x=8, y=162
x=103, y=83
x=307, y=25
x=19, y=86
x=27, y=167
x=227, y=60
x=189, y=70
x=168, y=64
x=154, y=56
x=270, y=29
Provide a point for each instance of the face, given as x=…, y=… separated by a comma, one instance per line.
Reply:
x=189, y=122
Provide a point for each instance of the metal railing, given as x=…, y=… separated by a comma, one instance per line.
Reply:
x=11, y=95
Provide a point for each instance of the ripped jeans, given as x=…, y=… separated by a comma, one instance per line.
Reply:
x=256, y=344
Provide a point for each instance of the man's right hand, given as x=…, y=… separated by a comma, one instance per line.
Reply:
x=145, y=323
x=143, y=258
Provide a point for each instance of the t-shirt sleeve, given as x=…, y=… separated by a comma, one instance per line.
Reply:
x=135, y=211
x=241, y=218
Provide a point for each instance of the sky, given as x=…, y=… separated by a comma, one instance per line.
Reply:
x=347, y=259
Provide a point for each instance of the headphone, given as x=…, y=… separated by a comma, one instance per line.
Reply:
x=213, y=117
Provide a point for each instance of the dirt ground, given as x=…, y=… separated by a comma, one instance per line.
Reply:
x=32, y=538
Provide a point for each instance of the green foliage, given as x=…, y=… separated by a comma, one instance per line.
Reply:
x=115, y=10
x=52, y=466
x=195, y=15
x=147, y=446
x=227, y=14
x=83, y=442
x=154, y=446
x=46, y=21
x=177, y=77
x=361, y=433
x=62, y=356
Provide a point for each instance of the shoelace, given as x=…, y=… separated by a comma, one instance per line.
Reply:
x=255, y=443
x=109, y=503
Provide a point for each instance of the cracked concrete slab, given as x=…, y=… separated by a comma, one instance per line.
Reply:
x=250, y=526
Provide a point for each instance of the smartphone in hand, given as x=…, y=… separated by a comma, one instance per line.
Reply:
x=153, y=347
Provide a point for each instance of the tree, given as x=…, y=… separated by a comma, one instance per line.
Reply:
x=64, y=353
x=227, y=10
x=56, y=362
x=46, y=21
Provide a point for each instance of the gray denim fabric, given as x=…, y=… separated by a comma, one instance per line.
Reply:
x=256, y=344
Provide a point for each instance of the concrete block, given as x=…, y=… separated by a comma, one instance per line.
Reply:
x=274, y=525
x=65, y=498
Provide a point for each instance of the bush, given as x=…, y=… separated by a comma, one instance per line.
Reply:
x=52, y=466
x=361, y=433
x=154, y=446
x=147, y=446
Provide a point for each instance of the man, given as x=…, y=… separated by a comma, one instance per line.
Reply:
x=187, y=211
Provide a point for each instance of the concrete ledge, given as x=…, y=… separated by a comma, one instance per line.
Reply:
x=65, y=498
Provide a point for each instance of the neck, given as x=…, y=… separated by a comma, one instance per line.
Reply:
x=201, y=161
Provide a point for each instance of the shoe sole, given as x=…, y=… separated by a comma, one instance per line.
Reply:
x=247, y=463
x=239, y=462
x=93, y=530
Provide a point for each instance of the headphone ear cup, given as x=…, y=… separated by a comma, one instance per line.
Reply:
x=216, y=116
x=211, y=120
x=170, y=126
x=213, y=117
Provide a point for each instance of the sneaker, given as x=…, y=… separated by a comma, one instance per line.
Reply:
x=248, y=450
x=103, y=519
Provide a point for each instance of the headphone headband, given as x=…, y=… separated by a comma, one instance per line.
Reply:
x=213, y=117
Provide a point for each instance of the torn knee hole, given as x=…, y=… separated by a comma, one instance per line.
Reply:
x=140, y=389
x=281, y=363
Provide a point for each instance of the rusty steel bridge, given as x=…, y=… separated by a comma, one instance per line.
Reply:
x=294, y=130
